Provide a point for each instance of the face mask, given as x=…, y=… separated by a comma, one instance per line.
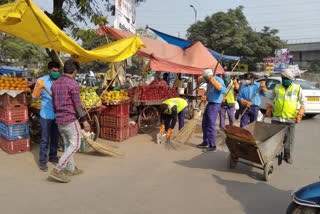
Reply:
x=226, y=79
x=54, y=75
x=286, y=82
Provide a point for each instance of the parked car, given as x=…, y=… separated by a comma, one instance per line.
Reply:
x=310, y=91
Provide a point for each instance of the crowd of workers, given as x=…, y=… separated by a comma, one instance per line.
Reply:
x=221, y=96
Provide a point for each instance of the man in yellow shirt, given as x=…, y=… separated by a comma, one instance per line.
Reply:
x=285, y=99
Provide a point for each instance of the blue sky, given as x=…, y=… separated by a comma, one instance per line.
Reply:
x=297, y=20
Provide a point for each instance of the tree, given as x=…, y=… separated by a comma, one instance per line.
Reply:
x=16, y=48
x=231, y=32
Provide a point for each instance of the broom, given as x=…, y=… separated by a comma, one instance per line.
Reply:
x=101, y=148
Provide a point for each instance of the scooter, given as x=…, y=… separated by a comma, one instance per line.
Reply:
x=305, y=200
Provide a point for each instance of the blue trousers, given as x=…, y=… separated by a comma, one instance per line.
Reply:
x=209, y=123
x=223, y=111
x=181, y=116
x=250, y=116
x=49, y=133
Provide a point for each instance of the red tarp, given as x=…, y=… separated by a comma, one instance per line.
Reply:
x=170, y=58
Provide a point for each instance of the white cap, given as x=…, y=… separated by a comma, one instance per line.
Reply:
x=287, y=73
x=207, y=72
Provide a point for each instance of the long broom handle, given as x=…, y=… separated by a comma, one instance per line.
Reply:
x=232, y=81
x=250, y=102
x=215, y=69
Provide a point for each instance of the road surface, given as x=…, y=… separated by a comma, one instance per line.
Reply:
x=151, y=179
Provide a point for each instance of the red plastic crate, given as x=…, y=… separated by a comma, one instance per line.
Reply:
x=114, y=134
x=15, y=146
x=114, y=121
x=8, y=102
x=117, y=110
x=133, y=130
x=14, y=116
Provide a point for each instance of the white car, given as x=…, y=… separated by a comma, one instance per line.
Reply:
x=310, y=91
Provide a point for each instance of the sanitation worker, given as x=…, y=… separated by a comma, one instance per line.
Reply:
x=228, y=101
x=170, y=110
x=285, y=99
x=246, y=93
x=49, y=128
x=216, y=89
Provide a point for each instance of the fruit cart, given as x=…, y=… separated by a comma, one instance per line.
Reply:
x=146, y=99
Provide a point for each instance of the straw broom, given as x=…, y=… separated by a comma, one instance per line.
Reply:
x=101, y=148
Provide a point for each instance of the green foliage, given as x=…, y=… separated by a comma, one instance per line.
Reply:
x=231, y=32
x=315, y=66
x=17, y=48
x=90, y=40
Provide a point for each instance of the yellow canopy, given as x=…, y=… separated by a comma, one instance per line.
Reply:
x=21, y=19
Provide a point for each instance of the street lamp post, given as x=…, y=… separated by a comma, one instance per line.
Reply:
x=193, y=83
x=195, y=13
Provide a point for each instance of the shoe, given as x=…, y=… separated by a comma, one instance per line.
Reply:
x=289, y=160
x=54, y=160
x=210, y=149
x=43, y=167
x=203, y=145
x=76, y=171
x=59, y=176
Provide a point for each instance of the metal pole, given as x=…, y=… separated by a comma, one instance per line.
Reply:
x=195, y=13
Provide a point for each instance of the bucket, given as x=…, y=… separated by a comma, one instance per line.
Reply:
x=180, y=91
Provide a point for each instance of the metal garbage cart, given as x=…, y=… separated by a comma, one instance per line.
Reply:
x=258, y=144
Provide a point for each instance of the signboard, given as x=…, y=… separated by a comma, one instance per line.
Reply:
x=125, y=15
x=281, y=60
x=242, y=67
x=268, y=64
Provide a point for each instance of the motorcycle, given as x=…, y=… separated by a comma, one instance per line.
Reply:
x=305, y=200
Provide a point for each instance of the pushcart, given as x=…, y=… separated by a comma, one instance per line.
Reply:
x=262, y=145
x=148, y=114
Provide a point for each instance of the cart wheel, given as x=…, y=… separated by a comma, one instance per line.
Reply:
x=190, y=110
x=148, y=119
x=268, y=169
x=95, y=126
x=232, y=162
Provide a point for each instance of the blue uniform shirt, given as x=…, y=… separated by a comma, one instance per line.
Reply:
x=247, y=92
x=213, y=95
x=46, y=110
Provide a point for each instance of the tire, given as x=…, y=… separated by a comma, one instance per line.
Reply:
x=232, y=162
x=268, y=170
x=294, y=208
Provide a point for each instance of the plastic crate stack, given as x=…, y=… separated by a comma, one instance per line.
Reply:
x=14, y=127
x=114, y=122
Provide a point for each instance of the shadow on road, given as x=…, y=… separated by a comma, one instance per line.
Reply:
x=256, y=197
x=219, y=161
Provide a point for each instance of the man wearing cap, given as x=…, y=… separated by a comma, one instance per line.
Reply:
x=215, y=90
x=228, y=101
x=285, y=99
x=246, y=94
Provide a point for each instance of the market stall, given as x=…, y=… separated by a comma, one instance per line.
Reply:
x=25, y=20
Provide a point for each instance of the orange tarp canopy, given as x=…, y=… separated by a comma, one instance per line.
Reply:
x=170, y=58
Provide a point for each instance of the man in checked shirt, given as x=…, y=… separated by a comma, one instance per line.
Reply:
x=67, y=106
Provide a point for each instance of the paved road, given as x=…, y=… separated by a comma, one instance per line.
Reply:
x=151, y=179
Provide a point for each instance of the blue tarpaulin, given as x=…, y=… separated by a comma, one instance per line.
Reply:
x=182, y=43
x=9, y=69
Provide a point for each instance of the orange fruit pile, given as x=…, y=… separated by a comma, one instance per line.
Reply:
x=9, y=83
